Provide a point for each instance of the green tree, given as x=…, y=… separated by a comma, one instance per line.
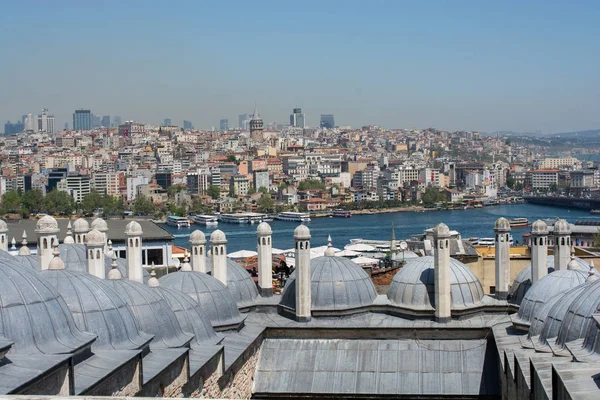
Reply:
x=143, y=206
x=33, y=200
x=58, y=202
x=214, y=191
x=113, y=205
x=552, y=188
x=231, y=158
x=263, y=189
x=432, y=196
x=311, y=184
x=174, y=189
x=265, y=203
x=11, y=202
x=92, y=201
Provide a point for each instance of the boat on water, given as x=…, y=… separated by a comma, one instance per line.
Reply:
x=293, y=216
x=339, y=213
x=179, y=222
x=519, y=222
x=488, y=242
x=242, y=218
x=594, y=211
x=206, y=220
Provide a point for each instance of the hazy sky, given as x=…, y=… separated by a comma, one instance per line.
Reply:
x=476, y=65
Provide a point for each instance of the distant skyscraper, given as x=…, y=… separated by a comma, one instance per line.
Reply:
x=327, y=121
x=31, y=123
x=187, y=125
x=23, y=118
x=82, y=120
x=224, y=125
x=96, y=121
x=167, y=122
x=10, y=128
x=116, y=121
x=45, y=122
x=106, y=121
x=66, y=126
x=256, y=127
x=244, y=119
x=297, y=118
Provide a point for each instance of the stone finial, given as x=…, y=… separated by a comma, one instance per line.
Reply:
x=13, y=244
x=329, y=252
x=24, y=250
x=186, y=267
x=56, y=262
x=153, y=282
x=114, y=273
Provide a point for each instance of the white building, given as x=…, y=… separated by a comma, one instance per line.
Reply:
x=133, y=183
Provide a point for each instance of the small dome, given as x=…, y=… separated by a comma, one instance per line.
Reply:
x=190, y=315
x=69, y=240
x=302, y=232
x=218, y=237
x=122, y=267
x=94, y=238
x=547, y=287
x=133, y=228
x=5, y=255
x=29, y=306
x=502, y=224
x=264, y=229
x=336, y=284
x=30, y=261
x=3, y=226
x=98, y=309
x=522, y=281
x=197, y=237
x=46, y=224
x=239, y=283
x=81, y=226
x=100, y=224
x=539, y=227
x=152, y=314
x=212, y=295
x=414, y=285
x=441, y=230
x=579, y=314
x=562, y=227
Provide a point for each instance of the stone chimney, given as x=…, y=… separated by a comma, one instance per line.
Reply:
x=265, y=260
x=441, y=257
x=539, y=250
x=198, y=247
x=502, y=233
x=303, y=282
x=134, y=233
x=218, y=248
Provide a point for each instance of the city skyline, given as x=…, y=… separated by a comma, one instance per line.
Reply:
x=464, y=66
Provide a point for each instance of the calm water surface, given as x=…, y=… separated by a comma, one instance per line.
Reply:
x=470, y=223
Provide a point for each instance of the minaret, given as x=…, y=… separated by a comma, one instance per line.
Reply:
x=133, y=231
x=539, y=250
x=562, y=244
x=303, y=283
x=265, y=259
x=3, y=236
x=46, y=231
x=198, y=246
x=502, y=231
x=24, y=250
x=218, y=248
x=81, y=227
x=441, y=257
x=94, y=247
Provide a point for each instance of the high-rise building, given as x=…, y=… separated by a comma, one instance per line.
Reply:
x=31, y=123
x=167, y=122
x=10, y=128
x=244, y=119
x=96, y=121
x=45, y=122
x=224, y=125
x=116, y=121
x=164, y=179
x=106, y=121
x=297, y=118
x=187, y=125
x=327, y=121
x=82, y=120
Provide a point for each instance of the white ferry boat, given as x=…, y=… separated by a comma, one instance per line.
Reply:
x=180, y=222
x=293, y=216
x=206, y=220
x=242, y=218
x=341, y=213
x=490, y=242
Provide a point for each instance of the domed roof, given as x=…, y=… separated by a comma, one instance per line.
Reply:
x=152, y=314
x=591, y=341
x=502, y=224
x=97, y=308
x=31, y=261
x=562, y=227
x=133, y=228
x=5, y=255
x=414, y=285
x=212, y=295
x=539, y=227
x=190, y=315
x=441, y=229
x=547, y=287
x=46, y=224
x=302, y=232
x=218, y=237
x=239, y=283
x=578, y=317
x=3, y=226
x=264, y=229
x=100, y=224
x=30, y=305
x=95, y=238
x=81, y=226
x=197, y=237
x=122, y=267
x=336, y=284
x=522, y=281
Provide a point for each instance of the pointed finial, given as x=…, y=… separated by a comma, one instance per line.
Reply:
x=109, y=244
x=56, y=262
x=69, y=225
x=114, y=273
x=329, y=252
x=186, y=267
x=153, y=282
x=393, y=232
x=24, y=235
x=13, y=242
x=329, y=241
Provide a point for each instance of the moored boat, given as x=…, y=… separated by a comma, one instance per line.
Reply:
x=519, y=222
x=293, y=216
x=206, y=220
x=179, y=222
x=341, y=213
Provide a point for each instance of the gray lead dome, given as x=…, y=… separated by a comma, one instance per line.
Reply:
x=336, y=284
x=413, y=286
x=578, y=317
x=239, y=283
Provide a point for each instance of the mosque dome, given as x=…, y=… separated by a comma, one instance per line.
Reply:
x=264, y=229
x=218, y=237
x=547, y=287
x=191, y=317
x=94, y=238
x=46, y=224
x=133, y=228
x=31, y=306
x=80, y=226
x=212, y=295
x=99, y=224
x=301, y=232
x=539, y=227
x=414, y=285
x=197, y=237
x=239, y=283
x=578, y=317
x=522, y=282
x=152, y=314
x=98, y=308
x=562, y=227
x=336, y=284
x=502, y=224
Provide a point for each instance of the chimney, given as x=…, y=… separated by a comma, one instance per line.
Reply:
x=303, y=282
x=502, y=231
x=135, y=271
x=198, y=247
x=441, y=257
x=539, y=250
x=265, y=260
x=562, y=245
x=218, y=246
x=94, y=247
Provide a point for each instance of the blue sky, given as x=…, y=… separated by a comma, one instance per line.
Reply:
x=475, y=65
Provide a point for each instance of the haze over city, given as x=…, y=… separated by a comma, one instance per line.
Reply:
x=465, y=65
